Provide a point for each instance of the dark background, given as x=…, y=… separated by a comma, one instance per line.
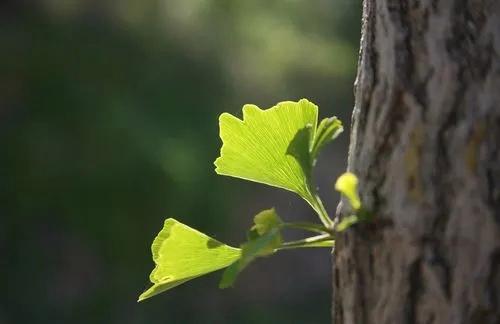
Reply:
x=108, y=125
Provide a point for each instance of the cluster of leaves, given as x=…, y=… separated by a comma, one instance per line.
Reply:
x=278, y=147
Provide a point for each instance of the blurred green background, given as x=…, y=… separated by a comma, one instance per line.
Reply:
x=108, y=125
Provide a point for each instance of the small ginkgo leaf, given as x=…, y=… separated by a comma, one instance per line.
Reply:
x=182, y=253
x=265, y=238
x=328, y=130
x=266, y=220
x=347, y=185
x=261, y=246
x=274, y=146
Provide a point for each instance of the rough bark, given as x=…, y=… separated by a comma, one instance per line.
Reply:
x=425, y=144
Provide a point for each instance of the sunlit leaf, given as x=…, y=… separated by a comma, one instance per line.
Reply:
x=275, y=146
x=347, y=185
x=265, y=221
x=262, y=246
x=265, y=238
x=328, y=130
x=181, y=253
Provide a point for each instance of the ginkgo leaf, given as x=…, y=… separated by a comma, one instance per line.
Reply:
x=182, y=253
x=261, y=246
x=274, y=146
x=266, y=220
x=264, y=239
x=328, y=130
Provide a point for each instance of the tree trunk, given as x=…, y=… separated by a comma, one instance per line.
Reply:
x=425, y=144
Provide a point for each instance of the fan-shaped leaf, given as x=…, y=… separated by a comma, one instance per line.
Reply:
x=181, y=253
x=266, y=220
x=264, y=238
x=276, y=146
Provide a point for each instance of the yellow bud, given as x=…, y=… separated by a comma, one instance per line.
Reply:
x=347, y=185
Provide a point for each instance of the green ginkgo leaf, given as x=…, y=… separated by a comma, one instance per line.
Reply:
x=265, y=238
x=182, y=253
x=328, y=130
x=275, y=146
x=265, y=221
x=261, y=246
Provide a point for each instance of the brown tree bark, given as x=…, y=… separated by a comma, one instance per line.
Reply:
x=425, y=143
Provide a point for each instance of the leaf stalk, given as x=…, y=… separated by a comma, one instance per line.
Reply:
x=324, y=240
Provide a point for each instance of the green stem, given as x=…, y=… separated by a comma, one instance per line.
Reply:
x=311, y=227
x=318, y=206
x=324, y=240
